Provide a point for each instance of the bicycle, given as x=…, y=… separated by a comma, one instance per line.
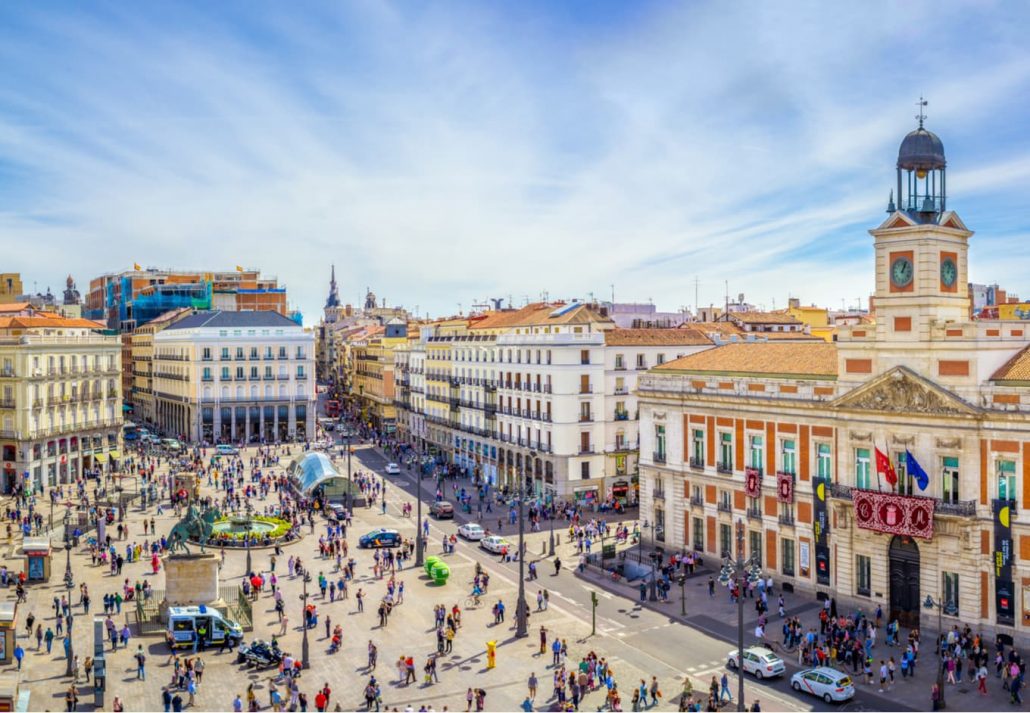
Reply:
x=472, y=602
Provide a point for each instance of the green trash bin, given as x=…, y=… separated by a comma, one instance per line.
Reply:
x=431, y=562
x=441, y=572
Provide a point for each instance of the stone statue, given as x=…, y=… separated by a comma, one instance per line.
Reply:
x=195, y=526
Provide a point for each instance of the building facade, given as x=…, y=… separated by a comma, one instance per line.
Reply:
x=60, y=399
x=141, y=364
x=889, y=465
x=235, y=377
x=544, y=393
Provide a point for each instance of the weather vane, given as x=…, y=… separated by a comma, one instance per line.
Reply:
x=922, y=114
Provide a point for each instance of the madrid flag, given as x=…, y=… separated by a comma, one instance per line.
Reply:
x=885, y=468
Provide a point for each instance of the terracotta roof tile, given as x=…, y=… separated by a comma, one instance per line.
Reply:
x=654, y=337
x=762, y=358
x=1015, y=369
x=763, y=317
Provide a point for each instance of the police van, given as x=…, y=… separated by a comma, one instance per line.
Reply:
x=185, y=622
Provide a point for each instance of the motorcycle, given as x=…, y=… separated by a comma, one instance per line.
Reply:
x=259, y=653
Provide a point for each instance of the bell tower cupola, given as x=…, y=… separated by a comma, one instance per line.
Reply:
x=922, y=188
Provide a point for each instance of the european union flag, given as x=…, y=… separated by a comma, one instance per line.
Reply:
x=913, y=468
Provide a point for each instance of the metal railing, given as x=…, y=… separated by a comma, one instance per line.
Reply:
x=697, y=463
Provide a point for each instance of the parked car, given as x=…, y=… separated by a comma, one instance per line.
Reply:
x=758, y=661
x=380, y=537
x=335, y=511
x=824, y=682
x=442, y=510
x=393, y=469
x=226, y=450
x=472, y=532
x=171, y=445
x=494, y=543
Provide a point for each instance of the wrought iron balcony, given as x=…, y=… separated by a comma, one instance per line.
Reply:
x=754, y=513
x=697, y=463
x=658, y=457
x=725, y=468
x=786, y=519
x=697, y=501
x=724, y=507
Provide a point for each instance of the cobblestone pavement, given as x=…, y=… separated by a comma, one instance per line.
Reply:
x=636, y=641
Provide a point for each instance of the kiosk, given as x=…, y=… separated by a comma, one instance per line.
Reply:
x=8, y=622
x=37, y=553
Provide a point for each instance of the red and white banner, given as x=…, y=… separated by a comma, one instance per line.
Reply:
x=785, y=487
x=894, y=514
x=752, y=482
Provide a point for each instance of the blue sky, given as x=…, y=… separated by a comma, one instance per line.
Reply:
x=443, y=153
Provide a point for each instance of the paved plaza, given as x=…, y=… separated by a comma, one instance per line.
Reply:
x=639, y=640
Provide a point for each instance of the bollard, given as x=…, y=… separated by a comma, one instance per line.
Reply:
x=543, y=548
x=491, y=654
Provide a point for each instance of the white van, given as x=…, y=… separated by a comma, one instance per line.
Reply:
x=185, y=622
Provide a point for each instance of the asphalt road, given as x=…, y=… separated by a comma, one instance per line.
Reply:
x=650, y=640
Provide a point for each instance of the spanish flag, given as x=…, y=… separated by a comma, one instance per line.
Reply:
x=137, y=266
x=239, y=269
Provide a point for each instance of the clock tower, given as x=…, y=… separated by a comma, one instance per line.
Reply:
x=921, y=248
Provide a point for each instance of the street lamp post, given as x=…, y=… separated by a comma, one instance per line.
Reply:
x=550, y=550
x=521, y=611
x=246, y=543
x=683, y=594
x=69, y=579
x=939, y=605
x=349, y=484
x=740, y=569
x=304, y=661
x=418, y=503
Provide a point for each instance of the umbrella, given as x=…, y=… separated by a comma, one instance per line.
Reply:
x=255, y=581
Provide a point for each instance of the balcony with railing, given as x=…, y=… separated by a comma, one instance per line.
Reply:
x=586, y=389
x=586, y=448
x=754, y=512
x=586, y=418
x=786, y=519
x=724, y=506
x=724, y=468
x=658, y=494
x=697, y=501
x=622, y=415
x=658, y=457
x=958, y=508
x=697, y=463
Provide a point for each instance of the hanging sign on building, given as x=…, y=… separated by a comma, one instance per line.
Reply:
x=894, y=514
x=752, y=482
x=821, y=527
x=1004, y=588
x=785, y=487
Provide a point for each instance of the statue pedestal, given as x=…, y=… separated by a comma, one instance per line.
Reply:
x=190, y=580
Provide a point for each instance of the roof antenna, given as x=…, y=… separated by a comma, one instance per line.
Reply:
x=922, y=114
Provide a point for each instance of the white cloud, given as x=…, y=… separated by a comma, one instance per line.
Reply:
x=452, y=153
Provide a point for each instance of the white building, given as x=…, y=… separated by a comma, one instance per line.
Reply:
x=235, y=376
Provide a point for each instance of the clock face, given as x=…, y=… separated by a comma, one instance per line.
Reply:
x=901, y=272
x=949, y=272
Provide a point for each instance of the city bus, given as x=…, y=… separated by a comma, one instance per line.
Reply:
x=332, y=408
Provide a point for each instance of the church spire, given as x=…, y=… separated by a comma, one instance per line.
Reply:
x=334, y=293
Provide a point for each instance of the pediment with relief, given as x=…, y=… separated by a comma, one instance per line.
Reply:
x=901, y=390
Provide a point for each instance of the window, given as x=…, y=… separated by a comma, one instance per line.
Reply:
x=300, y=372
x=300, y=352
x=620, y=361
x=949, y=588
x=620, y=385
x=725, y=540
x=584, y=470
x=225, y=352
x=207, y=373
x=661, y=359
x=697, y=527
x=755, y=452
x=641, y=361
x=239, y=352
x=1006, y=479
x=282, y=352
x=620, y=463
x=206, y=355
x=949, y=479
x=698, y=447
x=906, y=483
x=659, y=443
x=584, y=356
x=239, y=373
x=725, y=500
x=726, y=451
x=863, y=570
x=788, y=456
x=659, y=525
x=823, y=462
x=225, y=373
x=862, y=468
x=754, y=543
x=788, y=557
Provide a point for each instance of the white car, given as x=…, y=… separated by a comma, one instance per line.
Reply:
x=393, y=469
x=824, y=682
x=494, y=543
x=758, y=661
x=472, y=531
